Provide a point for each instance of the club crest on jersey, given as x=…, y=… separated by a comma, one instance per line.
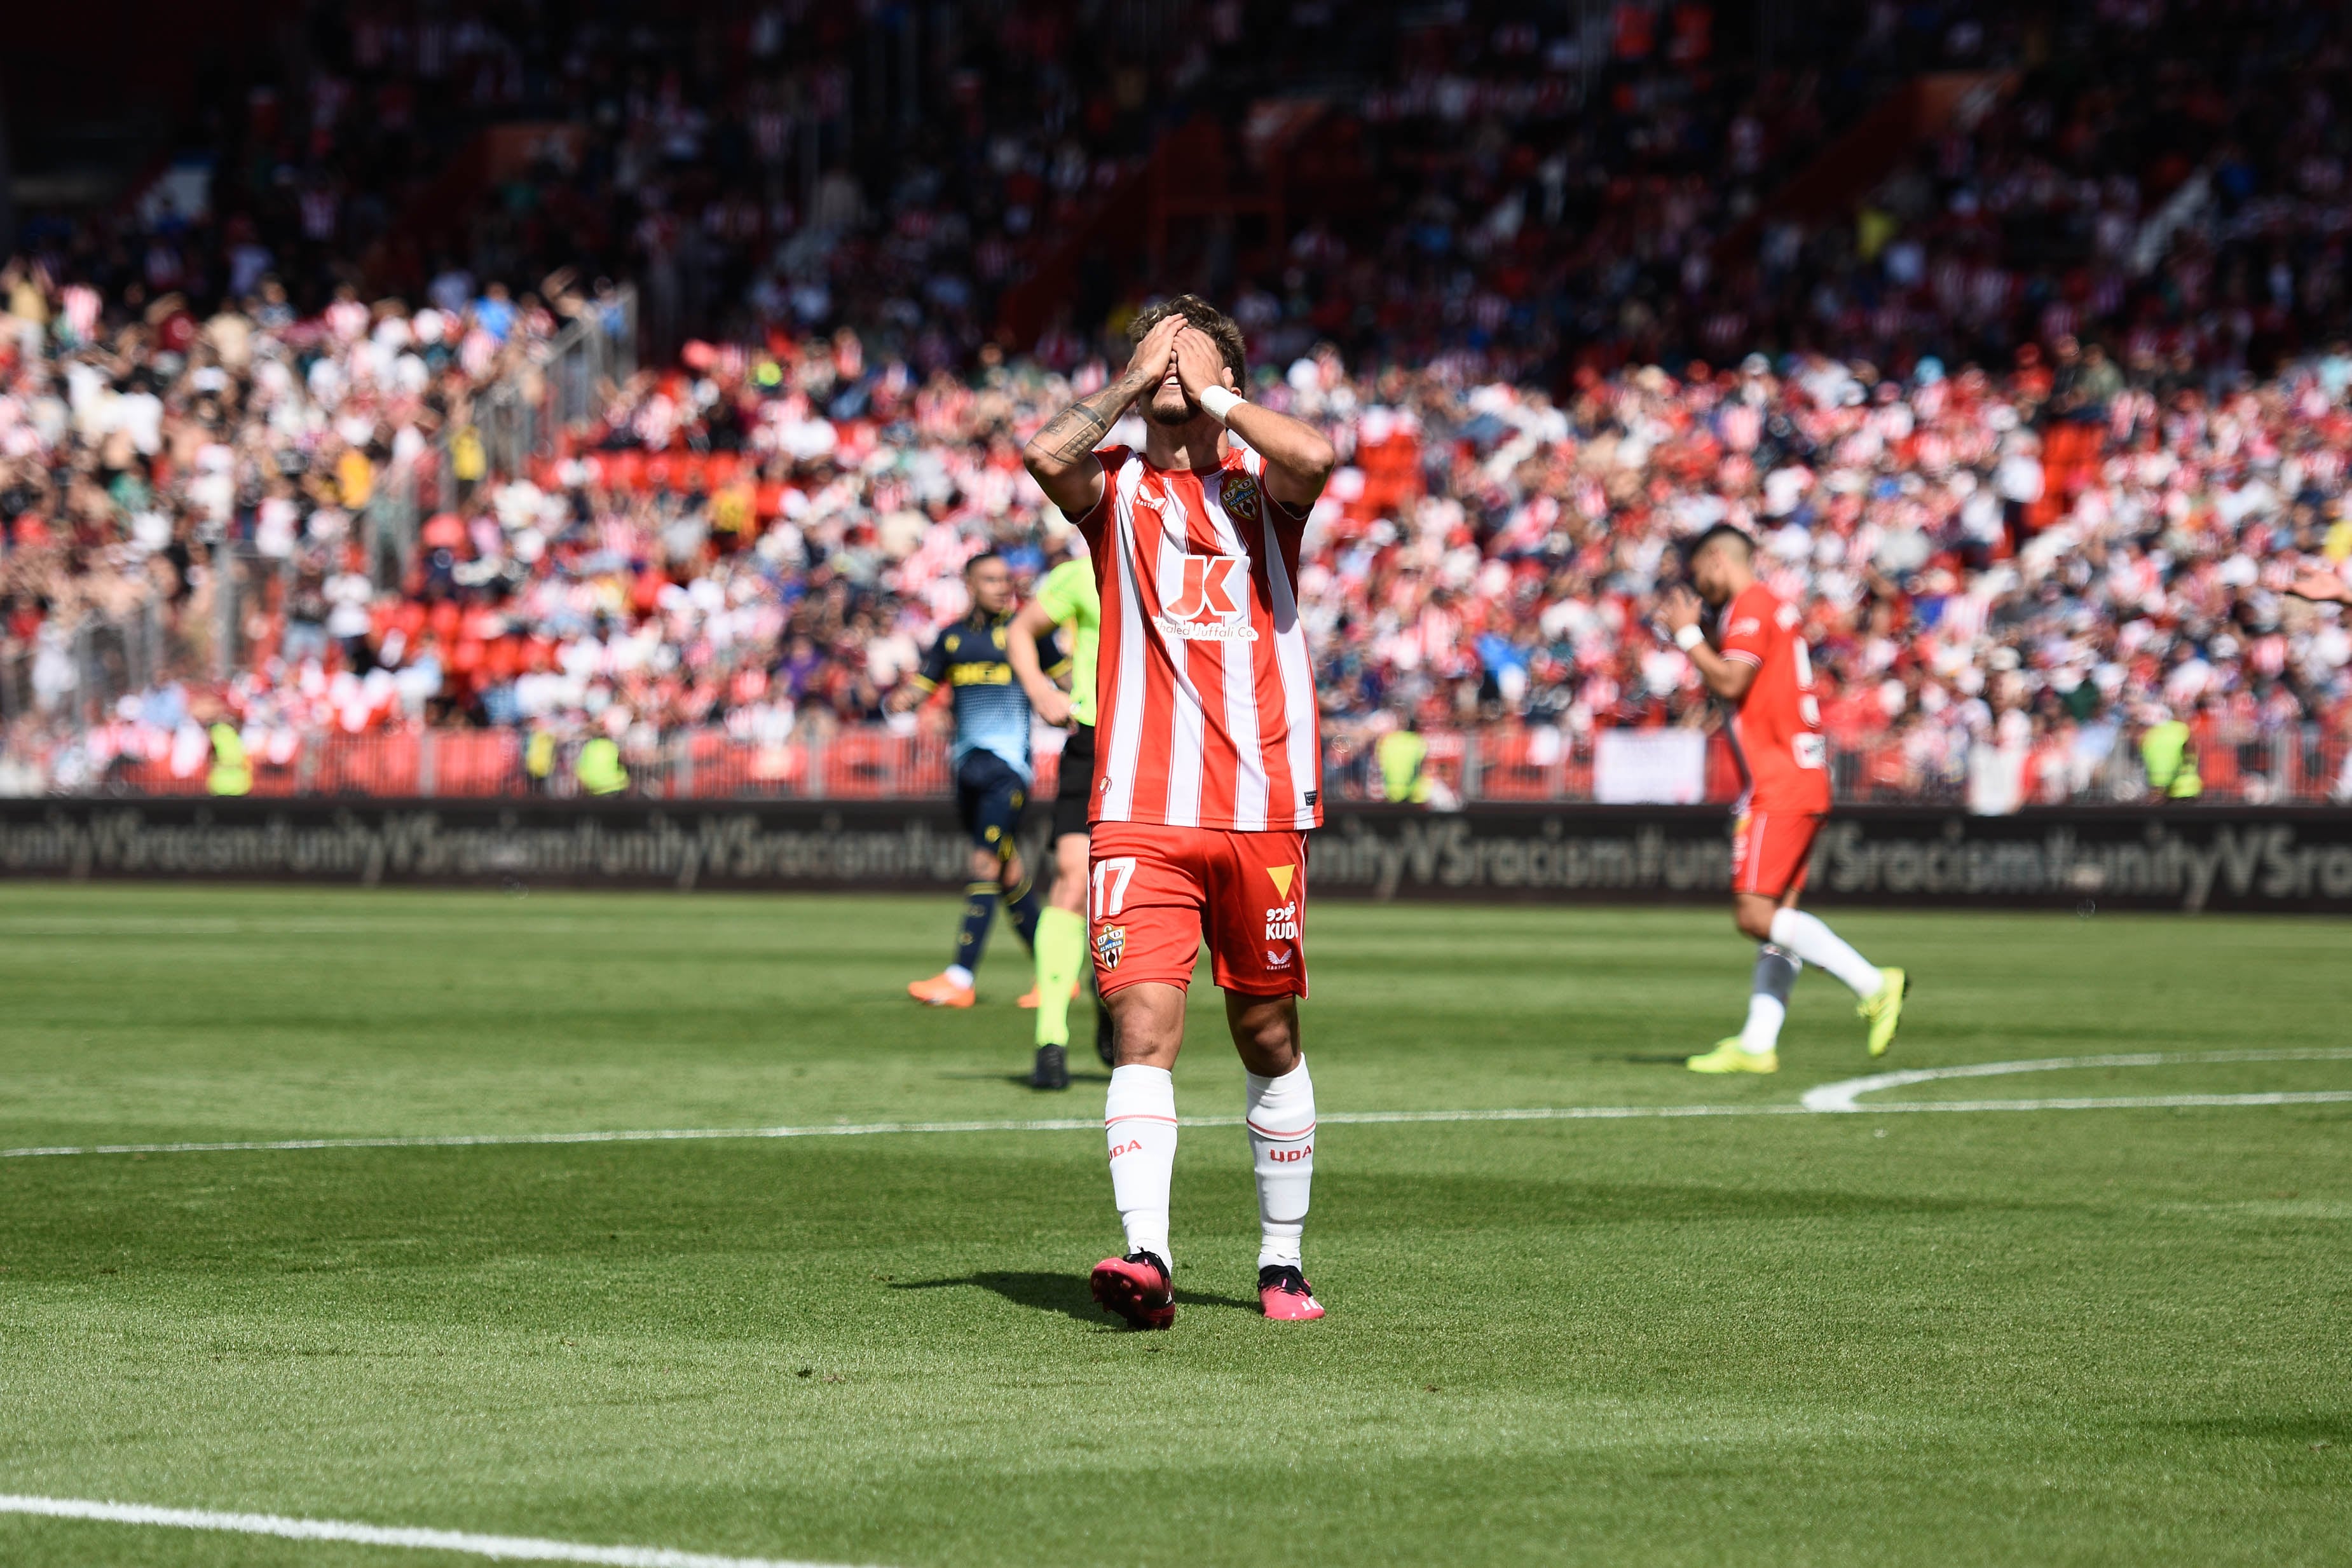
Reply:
x=1208, y=601
x=1241, y=497
x=1110, y=946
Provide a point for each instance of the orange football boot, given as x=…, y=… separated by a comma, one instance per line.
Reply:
x=939, y=991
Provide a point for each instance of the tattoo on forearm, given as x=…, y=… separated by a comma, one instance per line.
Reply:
x=1072, y=434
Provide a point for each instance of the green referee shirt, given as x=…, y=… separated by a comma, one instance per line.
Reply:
x=1069, y=597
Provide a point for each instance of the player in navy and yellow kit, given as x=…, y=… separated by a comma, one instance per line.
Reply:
x=993, y=769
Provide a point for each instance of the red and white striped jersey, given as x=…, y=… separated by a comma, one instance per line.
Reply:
x=1205, y=698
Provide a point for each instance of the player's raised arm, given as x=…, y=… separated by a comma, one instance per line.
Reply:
x=2322, y=586
x=1061, y=456
x=1726, y=677
x=1031, y=627
x=922, y=681
x=1299, y=459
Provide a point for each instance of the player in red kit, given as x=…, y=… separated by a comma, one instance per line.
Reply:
x=1759, y=662
x=1206, y=762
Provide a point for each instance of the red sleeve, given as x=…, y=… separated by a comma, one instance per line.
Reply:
x=1747, y=627
x=1289, y=521
x=1090, y=526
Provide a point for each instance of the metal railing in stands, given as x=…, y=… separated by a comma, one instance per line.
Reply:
x=875, y=763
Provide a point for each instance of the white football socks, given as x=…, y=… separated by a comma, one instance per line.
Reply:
x=960, y=975
x=1280, y=1115
x=1819, y=946
x=1139, y=1114
x=1767, y=1002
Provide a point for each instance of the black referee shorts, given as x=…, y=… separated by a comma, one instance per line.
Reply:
x=1076, y=789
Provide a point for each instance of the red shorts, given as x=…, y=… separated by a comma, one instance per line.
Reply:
x=1771, y=851
x=1155, y=892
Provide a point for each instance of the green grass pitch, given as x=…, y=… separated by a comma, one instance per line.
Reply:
x=2023, y=1337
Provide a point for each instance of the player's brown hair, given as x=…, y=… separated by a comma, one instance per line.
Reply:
x=1731, y=534
x=1220, y=327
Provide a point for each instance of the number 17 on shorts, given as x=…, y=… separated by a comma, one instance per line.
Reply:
x=1157, y=892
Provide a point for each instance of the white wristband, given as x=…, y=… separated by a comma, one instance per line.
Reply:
x=1689, y=637
x=1219, y=403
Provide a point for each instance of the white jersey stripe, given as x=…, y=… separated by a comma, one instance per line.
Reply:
x=1187, y=724
x=1298, y=682
x=1125, y=749
x=1250, y=785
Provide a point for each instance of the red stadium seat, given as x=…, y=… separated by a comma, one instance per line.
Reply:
x=476, y=762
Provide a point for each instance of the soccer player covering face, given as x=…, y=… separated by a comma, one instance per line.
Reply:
x=1758, y=663
x=1066, y=599
x=973, y=660
x=1206, y=768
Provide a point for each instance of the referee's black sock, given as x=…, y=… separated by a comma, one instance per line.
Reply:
x=979, y=909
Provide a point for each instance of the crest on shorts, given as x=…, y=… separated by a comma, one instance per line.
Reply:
x=1110, y=946
x=1241, y=497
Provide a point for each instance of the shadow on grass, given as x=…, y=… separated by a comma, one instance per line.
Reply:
x=1062, y=1293
x=2314, y=1429
x=1021, y=1080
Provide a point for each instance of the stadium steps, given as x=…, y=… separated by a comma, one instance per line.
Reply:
x=1849, y=168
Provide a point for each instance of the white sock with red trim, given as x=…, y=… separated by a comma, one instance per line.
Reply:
x=1280, y=1115
x=1139, y=1115
x=1823, y=948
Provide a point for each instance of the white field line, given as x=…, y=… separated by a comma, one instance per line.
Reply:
x=506, y=1548
x=2127, y=1101
x=1829, y=1098
x=1840, y=1096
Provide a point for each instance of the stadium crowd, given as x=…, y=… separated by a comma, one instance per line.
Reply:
x=2054, y=557
x=1533, y=345
x=1529, y=192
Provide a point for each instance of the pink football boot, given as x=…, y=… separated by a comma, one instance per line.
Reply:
x=1286, y=1296
x=1136, y=1287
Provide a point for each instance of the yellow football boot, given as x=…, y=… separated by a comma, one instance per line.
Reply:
x=1727, y=1057
x=1883, y=1012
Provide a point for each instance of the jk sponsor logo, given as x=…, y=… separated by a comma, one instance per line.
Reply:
x=1208, y=601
